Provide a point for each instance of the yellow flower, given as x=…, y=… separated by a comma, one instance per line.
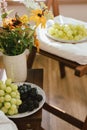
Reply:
x=38, y=17
x=24, y=19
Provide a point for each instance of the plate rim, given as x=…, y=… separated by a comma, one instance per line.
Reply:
x=29, y=113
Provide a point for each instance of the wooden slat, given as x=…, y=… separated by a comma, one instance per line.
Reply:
x=65, y=61
x=55, y=7
x=80, y=70
x=63, y=115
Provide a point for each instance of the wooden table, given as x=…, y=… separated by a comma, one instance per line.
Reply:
x=32, y=122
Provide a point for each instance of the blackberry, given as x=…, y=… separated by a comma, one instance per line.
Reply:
x=29, y=101
x=39, y=97
x=29, y=97
x=30, y=105
x=23, y=108
x=36, y=104
x=23, y=90
x=33, y=92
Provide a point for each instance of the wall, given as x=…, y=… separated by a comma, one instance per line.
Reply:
x=77, y=11
x=70, y=8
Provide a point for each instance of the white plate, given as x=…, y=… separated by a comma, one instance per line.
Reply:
x=64, y=41
x=28, y=113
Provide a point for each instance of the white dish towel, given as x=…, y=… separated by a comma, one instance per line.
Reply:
x=6, y=123
x=74, y=52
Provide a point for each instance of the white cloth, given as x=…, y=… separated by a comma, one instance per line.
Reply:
x=74, y=52
x=6, y=123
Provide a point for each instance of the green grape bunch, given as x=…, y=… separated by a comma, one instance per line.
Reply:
x=9, y=97
x=68, y=31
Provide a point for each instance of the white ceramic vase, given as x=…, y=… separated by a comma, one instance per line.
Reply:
x=16, y=67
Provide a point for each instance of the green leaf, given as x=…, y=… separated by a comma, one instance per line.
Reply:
x=4, y=15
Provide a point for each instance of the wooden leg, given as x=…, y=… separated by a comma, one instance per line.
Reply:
x=62, y=70
x=85, y=125
x=31, y=58
x=42, y=128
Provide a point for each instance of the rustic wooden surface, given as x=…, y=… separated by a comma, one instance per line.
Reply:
x=68, y=94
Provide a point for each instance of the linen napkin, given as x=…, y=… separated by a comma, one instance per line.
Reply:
x=74, y=52
x=6, y=123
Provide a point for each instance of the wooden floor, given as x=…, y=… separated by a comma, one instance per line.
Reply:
x=69, y=94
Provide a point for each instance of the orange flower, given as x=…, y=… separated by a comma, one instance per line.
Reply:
x=36, y=42
x=6, y=22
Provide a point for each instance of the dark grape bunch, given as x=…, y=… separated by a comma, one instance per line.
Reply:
x=30, y=98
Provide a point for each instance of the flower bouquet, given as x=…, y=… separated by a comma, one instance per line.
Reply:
x=18, y=34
